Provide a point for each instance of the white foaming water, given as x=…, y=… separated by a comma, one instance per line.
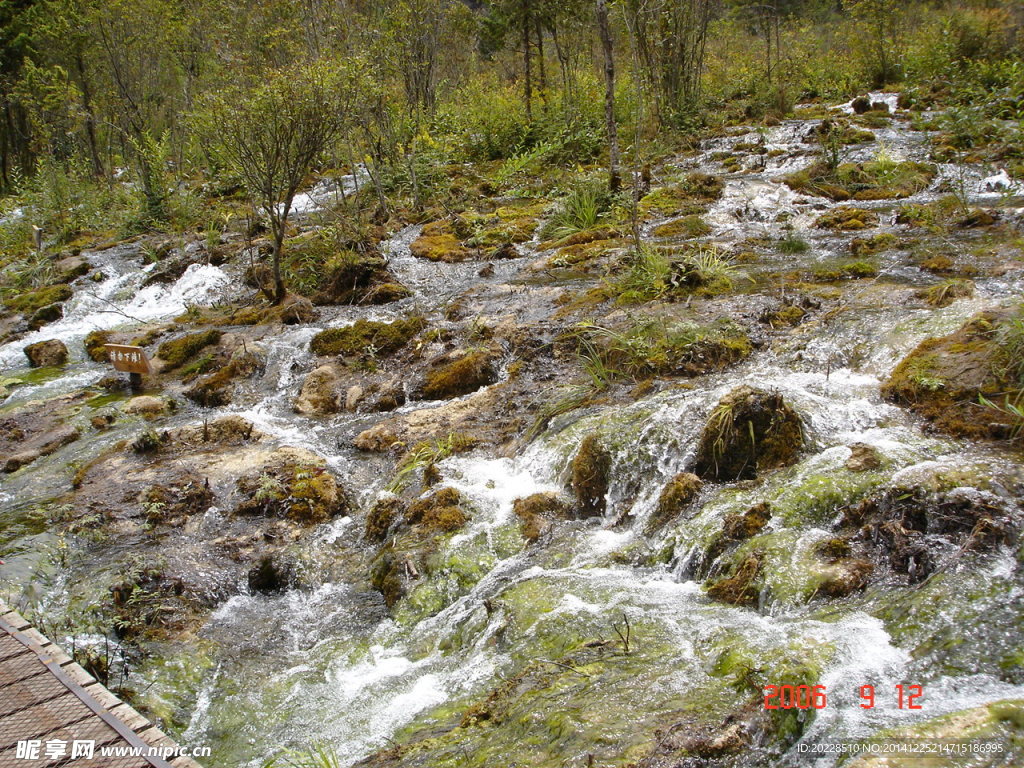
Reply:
x=891, y=100
x=118, y=300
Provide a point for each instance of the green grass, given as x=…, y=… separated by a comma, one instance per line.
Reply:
x=583, y=208
x=792, y=244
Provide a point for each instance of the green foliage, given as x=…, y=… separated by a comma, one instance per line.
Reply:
x=583, y=208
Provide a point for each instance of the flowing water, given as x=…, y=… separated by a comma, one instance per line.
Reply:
x=322, y=663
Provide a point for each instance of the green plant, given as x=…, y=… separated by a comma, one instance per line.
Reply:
x=792, y=244
x=1010, y=339
x=317, y=755
x=1012, y=408
x=583, y=208
x=426, y=453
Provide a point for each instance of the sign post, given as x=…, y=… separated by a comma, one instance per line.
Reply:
x=131, y=360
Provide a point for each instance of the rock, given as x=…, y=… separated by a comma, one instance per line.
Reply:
x=367, y=338
x=352, y=397
x=216, y=389
x=177, y=352
x=976, y=218
x=40, y=444
x=863, y=457
x=739, y=589
x=536, y=513
x=382, y=516
x=271, y=574
x=749, y=431
x=70, y=267
x=440, y=512
x=292, y=484
x=861, y=104
x=943, y=378
x=385, y=293
x=146, y=405
x=376, y=439
x=675, y=496
x=846, y=576
x=46, y=353
x=437, y=242
x=44, y=315
x=320, y=392
x=296, y=310
x=459, y=373
x=590, y=473
x=879, y=106
x=95, y=348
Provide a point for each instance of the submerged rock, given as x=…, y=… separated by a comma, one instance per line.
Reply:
x=537, y=512
x=863, y=457
x=749, y=431
x=46, y=353
x=675, y=497
x=589, y=479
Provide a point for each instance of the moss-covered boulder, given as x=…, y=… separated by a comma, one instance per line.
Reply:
x=95, y=345
x=382, y=515
x=440, y=512
x=847, y=218
x=590, y=476
x=367, y=337
x=30, y=301
x=943, y=378
x=177, y=352
x=216, y=389
x=438, y=242
x=359, y=278
x=458, y=374
x=537, y=512
x=46, y=353
x=292, y=484
x=740, y=588
x=749, y=431
x=674, y=498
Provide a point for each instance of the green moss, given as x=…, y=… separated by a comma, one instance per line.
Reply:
x=674, y=498
x=31, y=301
x=179, y=351
x=367, y=337
x=945, y=293
x=688, y=226
x=382, y=516
x=438, y=242
x=881, y=179
x=847, y=218
x=461, y=376
x=536, y=512
x=874, y=244
x=94, y=345
x=590, y=473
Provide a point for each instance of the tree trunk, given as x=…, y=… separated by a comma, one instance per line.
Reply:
x=527, y=77
x=541, y=73
x=279, y=288
x=604, y=29
x=90, y=118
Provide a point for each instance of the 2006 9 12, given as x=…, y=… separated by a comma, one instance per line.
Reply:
x=816, y=697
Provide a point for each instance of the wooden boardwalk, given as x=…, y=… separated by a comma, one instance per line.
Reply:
x=48, y=703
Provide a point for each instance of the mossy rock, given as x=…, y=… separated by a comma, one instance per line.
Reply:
x=358, y=278
x=367, y=337
x=945, y=293
x=215, y=389
x=749, y=431
x=867, y=246
x=43, y=354
x=459, y=375
x=688, y=226
x=741, y=587
x=847, y=218
x=942, y=379
x=28, y=302
x=438, y=242
x=440, y=512
x=179, y=351
x=95, y=348
x=382, y=515
x=674, y=498
x=537, y=512
x=590, y=476
x=294, y=487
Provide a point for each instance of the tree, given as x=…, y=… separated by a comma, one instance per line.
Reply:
x=271, y=136
x=604, y=30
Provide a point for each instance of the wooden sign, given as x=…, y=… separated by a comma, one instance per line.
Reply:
x=128, y=359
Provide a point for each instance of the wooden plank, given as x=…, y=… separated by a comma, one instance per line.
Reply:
x=37, y=722
x=128, y=359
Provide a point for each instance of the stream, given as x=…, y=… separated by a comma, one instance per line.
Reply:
x=322, y=664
